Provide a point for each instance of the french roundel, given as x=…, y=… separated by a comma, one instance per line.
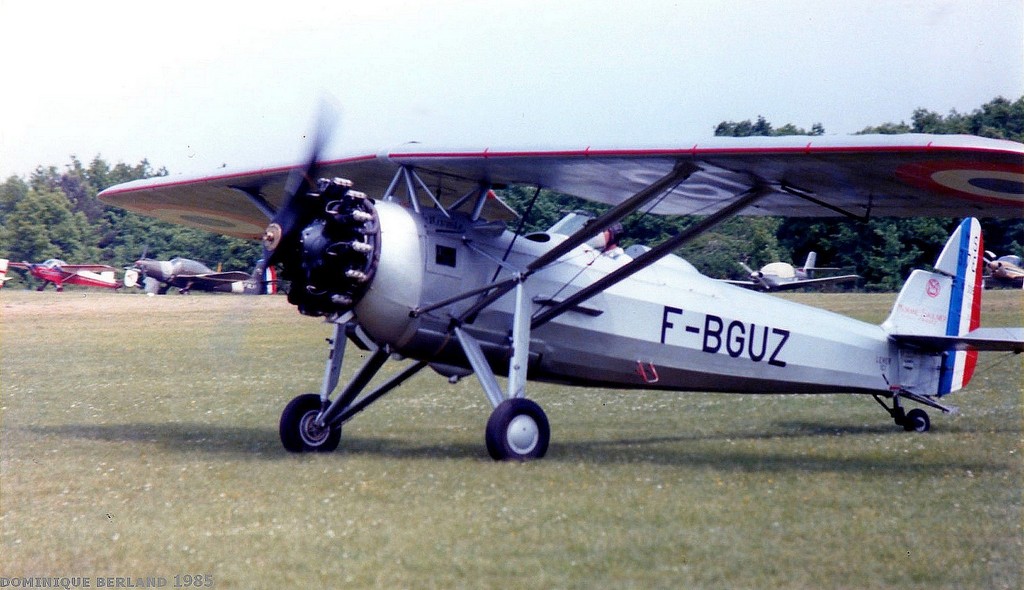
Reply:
x=992, y=183
x=213, y=221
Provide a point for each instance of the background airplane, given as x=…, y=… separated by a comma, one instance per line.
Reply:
x=3, y=272
x=782, y=276
x=158, y=276
x=421, y=271
x=1005, y=271
x=60, y=273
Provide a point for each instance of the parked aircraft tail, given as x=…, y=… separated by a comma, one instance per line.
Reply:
x=940, y=311
x=812, y=259
x=264, y=279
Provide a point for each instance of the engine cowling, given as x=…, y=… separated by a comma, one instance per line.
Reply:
x=333, y=261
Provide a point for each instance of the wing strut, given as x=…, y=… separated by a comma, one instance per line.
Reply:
x=254, y=196
x=800, y=194
x=651, y=256
x=679, y=173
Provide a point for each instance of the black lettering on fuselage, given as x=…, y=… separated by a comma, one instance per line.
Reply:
x=735, y=338
x=773, y=360
x=757, y=356
x=665, y=324
x=739, y=339
x=714, y=332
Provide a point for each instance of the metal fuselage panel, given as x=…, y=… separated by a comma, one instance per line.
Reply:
x=667, y=327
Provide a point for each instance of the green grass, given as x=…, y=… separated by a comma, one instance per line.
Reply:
x=139, y=438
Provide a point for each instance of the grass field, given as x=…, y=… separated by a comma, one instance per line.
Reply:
x=139, y=439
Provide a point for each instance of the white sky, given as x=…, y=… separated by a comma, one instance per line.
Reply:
x=192, y=85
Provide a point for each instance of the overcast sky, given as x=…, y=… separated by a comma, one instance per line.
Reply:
x=195, y=85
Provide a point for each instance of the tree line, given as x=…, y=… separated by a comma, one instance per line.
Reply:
x=54, y=213
x=882, y=250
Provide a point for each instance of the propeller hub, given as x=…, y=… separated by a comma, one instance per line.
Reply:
x=272, y=237
x=336, y=253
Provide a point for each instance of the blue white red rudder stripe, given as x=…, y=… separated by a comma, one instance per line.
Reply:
x=963, y=260
x=946, y=302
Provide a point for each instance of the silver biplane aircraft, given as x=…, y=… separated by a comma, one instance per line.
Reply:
x=783, y=276
x=419, y=264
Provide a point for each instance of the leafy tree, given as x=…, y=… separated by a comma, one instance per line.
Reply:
x=762, y=127
x=43, y=225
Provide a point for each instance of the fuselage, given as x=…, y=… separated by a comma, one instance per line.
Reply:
x=666, y=327
x=53, y=271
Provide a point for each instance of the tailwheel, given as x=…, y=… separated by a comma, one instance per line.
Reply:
x=299, y=431
x=517, y=430
x=916, y=420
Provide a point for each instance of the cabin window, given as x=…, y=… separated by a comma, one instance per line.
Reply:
x=444, y=256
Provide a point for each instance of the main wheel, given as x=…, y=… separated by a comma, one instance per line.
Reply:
x=299, y=432
x=517, y=429
x=916, y=421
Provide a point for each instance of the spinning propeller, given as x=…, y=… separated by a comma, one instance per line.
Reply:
x=325, y=236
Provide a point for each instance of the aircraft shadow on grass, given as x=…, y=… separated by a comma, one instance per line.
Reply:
x=262, y=444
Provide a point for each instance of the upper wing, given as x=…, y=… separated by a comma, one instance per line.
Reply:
x=899, y=175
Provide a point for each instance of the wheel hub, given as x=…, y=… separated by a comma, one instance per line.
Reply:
x=312, y=434
x=522, y=434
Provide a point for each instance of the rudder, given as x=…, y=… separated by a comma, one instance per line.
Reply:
x=946, y=302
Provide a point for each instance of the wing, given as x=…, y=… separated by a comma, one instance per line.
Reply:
x=797, y=284
x=898, y=175
x=744, y=284
x=801, y=283
x=220, y=277
x=76, y=268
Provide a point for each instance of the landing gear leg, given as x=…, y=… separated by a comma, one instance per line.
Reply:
x=916, y=420
x=518, y=429
x=312, y=422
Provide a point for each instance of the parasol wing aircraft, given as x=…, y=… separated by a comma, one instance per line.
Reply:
x=60, y=273
x=408, y=253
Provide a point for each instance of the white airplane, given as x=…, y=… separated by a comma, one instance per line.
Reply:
x=782, y=276
x=1004, y=270
x=426, y=270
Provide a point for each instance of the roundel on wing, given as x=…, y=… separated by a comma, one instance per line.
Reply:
x=216, y=222
x=991, y=183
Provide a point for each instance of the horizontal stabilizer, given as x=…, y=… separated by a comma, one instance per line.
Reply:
x=998, y=339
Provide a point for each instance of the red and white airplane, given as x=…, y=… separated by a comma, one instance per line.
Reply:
x=61, y=273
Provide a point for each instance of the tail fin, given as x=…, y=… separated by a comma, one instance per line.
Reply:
x=270, y=278
x=812, y=259
x=946, y=302
x=264, y=279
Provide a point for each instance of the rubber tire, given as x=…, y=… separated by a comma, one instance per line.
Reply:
x=916, y=421
x=291, y=424
x=500, y=421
